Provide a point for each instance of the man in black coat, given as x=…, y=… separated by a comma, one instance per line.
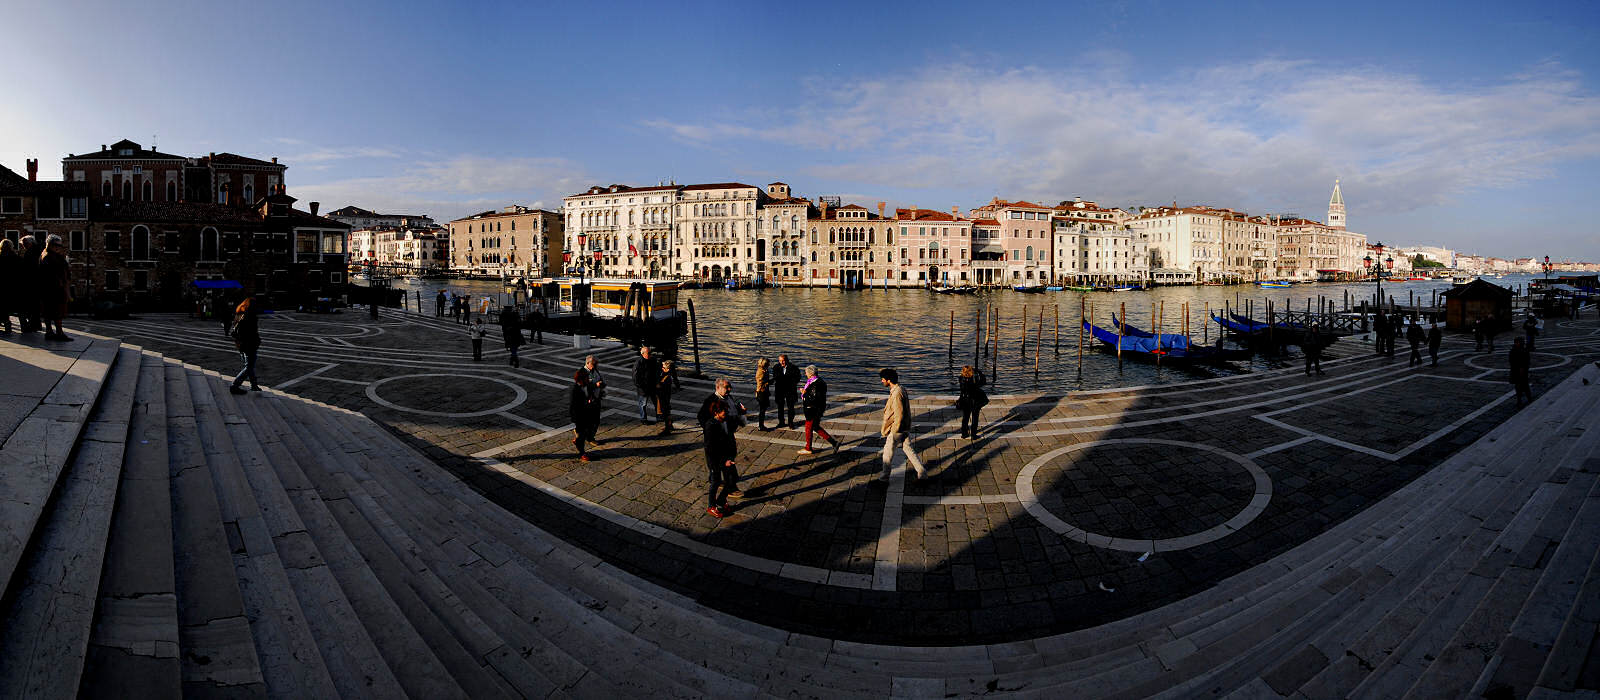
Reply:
x=438, y=304
x=721, y=452
x=1313, y=349
x=786, y=388
x=646, y=374
x=1435, y=337
x=1520, y=363
x=1380, y=332
x=1415, y=336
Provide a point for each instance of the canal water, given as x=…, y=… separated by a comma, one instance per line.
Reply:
x=850, y=335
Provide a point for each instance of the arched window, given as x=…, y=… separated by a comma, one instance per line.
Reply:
x=208, y=244
x=831, y=237
x=249, y=193
x=172, y=191
x=105, y=189
x=1030, y=252
x=141, y=241
x=149, y=194
x=127, y=188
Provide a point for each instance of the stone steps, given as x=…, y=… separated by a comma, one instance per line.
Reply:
x=49, y=612
x=270, y=546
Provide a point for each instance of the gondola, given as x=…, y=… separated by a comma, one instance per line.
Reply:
x=966, y=289
x=1169, y=348
x=1028, y=288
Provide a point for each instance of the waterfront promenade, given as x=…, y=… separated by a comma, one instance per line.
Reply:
x=1374, y=530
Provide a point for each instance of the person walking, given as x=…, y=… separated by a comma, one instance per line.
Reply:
x=477, y=333
x=972, y=399
x=763, y=393
x=466, y=308
x=580, y=406
x=510, y=332
x=814, y=403
x=666, y=386
x=1478, y=327
x=10, y=276
x=721, y=452
x=534, y=322
x=1396, y=327
x=646, y=377
x=55, y=285
x=1313, y=349
x=1530, y=329
x=896, y=427
x=722, y=392
x=1380, y=332
x=1435, y=337
x=1520, y=363
x=1415, y=336
x=247, y=339
x=786, y=385
x=438, y=304
x=597, y=391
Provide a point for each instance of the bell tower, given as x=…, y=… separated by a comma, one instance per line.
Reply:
x=1336, y=208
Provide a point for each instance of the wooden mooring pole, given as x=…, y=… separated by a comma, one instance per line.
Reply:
x=952, y=350
x=1122, y=327
x=694, y=337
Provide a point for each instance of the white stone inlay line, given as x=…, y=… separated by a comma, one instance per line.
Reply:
x=521, y=396
x=309, y=375
x=1280, y=447
x=955, y=499
x=1564, y=360
x=1030, y=501
x=536, y=425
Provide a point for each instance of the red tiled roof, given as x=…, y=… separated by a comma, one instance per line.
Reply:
x=985, y=222
x=926, y=215
x=139, y=153
x=622, y=189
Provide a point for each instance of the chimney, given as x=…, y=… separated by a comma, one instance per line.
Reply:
x=913, y=209
x=33, y=169
x=104, y=148
x=823, y=203
x=314, y=206
x=881, y=205
x=274, y=160
x=955, y=211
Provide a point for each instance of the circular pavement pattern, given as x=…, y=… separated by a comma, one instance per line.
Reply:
x=520, y=395
x=1146, y=495
x=1504, y=361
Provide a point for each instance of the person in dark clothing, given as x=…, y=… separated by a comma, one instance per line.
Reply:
x=1380, y=332
x=1312, y=347
x=723, y=393
x=27, y=285
x=1397, y=325
x=511, y=332
x=1478, y=327
x=54, y=285
x=10, y=276
x=534, y=322
x=786, y=385
x=1520, y=363
x=1435, y=337
x=477, y=333
x=247, y=338
x=972, y=400
x=580, y=405
x=1530, y=329
x=1415, y=336
x=646, y=375
x=666, y=386
x=721, y=451
x=814, y=403
x=438, y=304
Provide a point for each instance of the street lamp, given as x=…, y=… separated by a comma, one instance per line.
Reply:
x=1375, y=266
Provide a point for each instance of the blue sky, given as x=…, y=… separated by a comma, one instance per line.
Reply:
x=1471, y=125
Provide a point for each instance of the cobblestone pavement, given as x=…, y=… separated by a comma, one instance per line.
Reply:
x=1066, y=511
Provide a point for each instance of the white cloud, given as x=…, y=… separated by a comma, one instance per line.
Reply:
x=322, y=155
x=454, y=187
x=1265, y=135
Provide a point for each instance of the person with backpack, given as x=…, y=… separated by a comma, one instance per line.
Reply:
x=247, y=339
x=972, y=399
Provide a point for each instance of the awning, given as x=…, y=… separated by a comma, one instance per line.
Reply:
x=216, y=284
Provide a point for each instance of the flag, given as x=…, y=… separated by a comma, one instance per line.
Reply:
x=632, y=251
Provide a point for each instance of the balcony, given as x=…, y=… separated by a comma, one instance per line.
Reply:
x=989, y=264
x=785, y=259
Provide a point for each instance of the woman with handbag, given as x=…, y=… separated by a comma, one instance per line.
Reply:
x=972, y=400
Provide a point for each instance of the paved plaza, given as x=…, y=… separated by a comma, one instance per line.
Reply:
x=1066, y=512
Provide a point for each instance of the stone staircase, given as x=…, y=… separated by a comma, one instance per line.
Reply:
x=206, y=544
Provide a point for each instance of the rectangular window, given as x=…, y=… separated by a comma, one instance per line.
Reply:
x=77, y=208
x=76, y=240
x=113, y=279
x=10, y=205
x=47, y=208
x=141, y=280
x=1016, y=215
x=333, y=243
x=113, y=241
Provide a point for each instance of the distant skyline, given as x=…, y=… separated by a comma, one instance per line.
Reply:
x=1474, y=126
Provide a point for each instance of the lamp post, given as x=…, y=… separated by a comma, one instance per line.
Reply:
x=1375, y=266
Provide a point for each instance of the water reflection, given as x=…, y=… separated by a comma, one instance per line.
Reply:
x=850, y=335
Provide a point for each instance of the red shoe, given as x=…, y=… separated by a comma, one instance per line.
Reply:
x=583, y=458
x=717, y=512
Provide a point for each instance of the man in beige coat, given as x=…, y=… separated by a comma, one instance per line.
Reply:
x=897, y=425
